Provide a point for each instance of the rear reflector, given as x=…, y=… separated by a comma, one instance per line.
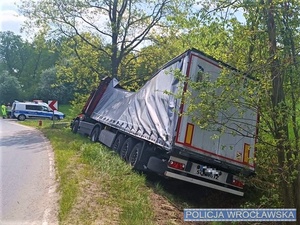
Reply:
x=237, y=183
x=189, y=134
x=246, y=153
x=176, y=165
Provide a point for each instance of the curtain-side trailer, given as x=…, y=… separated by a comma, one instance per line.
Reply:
x=150, y=129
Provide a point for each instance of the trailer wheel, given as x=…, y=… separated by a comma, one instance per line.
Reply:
x=126, y=148
x=118, y=142
x=157, y=165
x=95, y=134
x=135, y=155
x=75, y=126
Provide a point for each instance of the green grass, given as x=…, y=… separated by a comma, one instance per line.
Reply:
x=65, y=148
x=95, y=185
x=66, y=109
x=126, y=189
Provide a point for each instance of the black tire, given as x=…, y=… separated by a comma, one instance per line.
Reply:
x=21, y=117
x=118, y=142
x=55, y=118
x=157, y=165
x=75, y=126
x=126, y=149
x=135, y=155
x=95, y=134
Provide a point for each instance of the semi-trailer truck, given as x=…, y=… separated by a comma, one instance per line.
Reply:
x=150, y=130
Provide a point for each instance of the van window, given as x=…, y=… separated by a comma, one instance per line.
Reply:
x=34, y=107
x=44, y=108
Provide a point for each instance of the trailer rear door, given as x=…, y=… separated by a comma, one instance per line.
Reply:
x=226, y=147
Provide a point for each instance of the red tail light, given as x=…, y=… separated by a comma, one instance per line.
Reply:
x=176, y=165
x=237, y=183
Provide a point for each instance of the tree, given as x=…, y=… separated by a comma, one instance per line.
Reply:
x=283, y=98
x=49, y=88
x=80, y=66
x=10, y=88
x=26, y=60
x=279, y=92
x=269, y=43
x=10, y=46
x=123, y=24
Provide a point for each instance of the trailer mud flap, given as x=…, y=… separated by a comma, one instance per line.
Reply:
x=107, y=137
x=157, y=165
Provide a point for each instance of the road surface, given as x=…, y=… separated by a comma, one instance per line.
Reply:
x=27, y=188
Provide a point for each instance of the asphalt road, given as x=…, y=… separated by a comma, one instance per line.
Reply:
x=27, y=187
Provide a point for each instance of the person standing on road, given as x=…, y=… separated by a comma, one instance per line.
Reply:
x=3, y=110
x=8, y=109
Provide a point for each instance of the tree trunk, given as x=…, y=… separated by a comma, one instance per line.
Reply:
x=114, y=39
x=290, y=44
x=279, y=109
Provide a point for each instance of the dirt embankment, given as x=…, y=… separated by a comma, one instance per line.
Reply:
x=170, y=197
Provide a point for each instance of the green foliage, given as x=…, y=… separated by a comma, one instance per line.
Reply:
x=152, y=57
x=12, y=50
x=77, y=104
x=79, y=67
x=48, y=88
x=25, y=60
x=10, y=88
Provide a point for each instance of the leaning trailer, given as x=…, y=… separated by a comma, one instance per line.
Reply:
x=151, y=130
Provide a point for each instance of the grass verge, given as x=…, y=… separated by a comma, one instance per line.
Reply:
x=95, y=185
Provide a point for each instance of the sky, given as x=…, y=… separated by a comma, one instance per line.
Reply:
x=10, y=20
